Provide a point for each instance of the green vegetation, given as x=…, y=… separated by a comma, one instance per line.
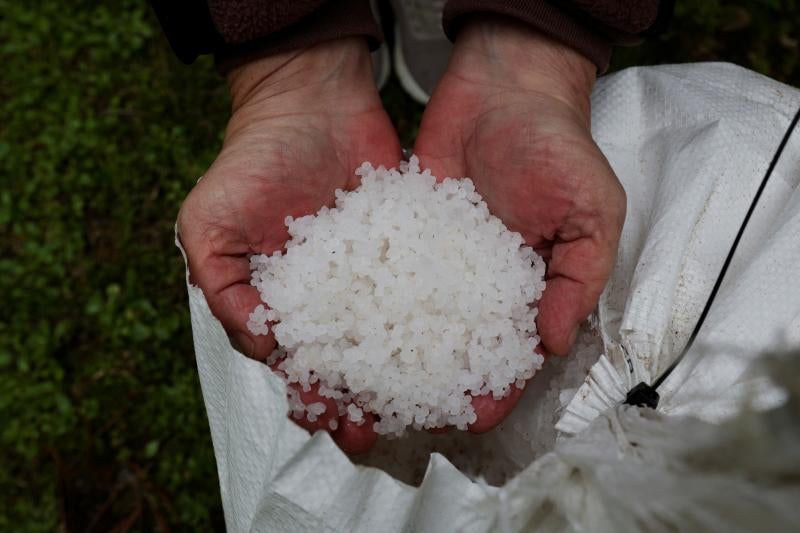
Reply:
x=102, y=133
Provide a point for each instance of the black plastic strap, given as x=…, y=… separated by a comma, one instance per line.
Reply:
x=644, y=395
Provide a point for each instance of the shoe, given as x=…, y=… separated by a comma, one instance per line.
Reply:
x=381, y=61
x=421, y=49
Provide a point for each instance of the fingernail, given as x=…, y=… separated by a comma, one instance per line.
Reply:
x=242, y=343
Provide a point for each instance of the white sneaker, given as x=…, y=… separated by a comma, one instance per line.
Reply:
x=381, y=61
x=421, y=49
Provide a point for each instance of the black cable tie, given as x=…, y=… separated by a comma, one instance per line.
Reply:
x=642, y=395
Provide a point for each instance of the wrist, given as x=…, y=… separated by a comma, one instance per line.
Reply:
x=505, y=53
x=288, y=81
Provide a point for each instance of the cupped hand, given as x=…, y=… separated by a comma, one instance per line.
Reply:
x=302, y=122
x=512, y=113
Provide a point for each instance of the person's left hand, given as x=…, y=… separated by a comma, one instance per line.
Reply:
x=512, y=113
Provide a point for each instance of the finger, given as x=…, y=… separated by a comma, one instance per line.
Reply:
x=322, y=421
x=353, y=438
x=577, y=274
x=225, y=281
x=491, y=412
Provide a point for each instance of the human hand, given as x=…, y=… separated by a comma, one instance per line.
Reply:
x=512, y=113
x=302, y=122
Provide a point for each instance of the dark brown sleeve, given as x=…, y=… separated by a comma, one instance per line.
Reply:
x=236, y=31
x=591, y=27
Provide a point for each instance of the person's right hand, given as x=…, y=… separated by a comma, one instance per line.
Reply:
x=302, y=122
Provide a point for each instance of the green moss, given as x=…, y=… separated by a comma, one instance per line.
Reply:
x=103, y=133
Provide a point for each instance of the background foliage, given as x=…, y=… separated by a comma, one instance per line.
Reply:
x=102, y=133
